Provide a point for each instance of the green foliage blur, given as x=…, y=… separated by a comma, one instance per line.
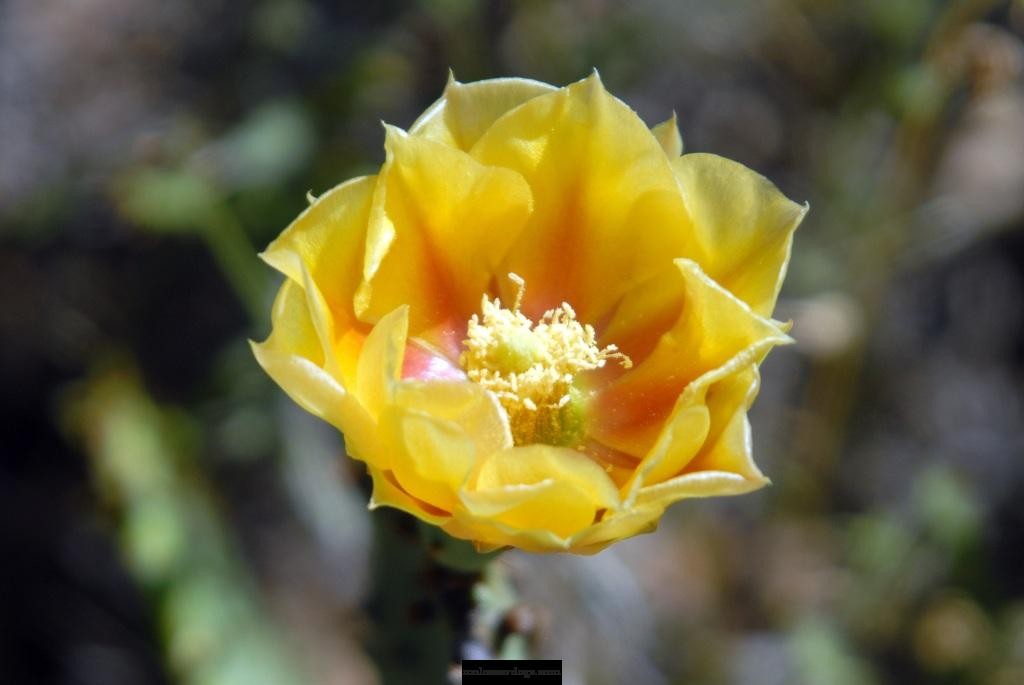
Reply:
x=170, y=517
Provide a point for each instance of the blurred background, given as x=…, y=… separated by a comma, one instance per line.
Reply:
x=168, y=516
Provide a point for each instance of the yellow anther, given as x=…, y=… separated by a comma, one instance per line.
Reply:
x=532, y=368
x=520, y=290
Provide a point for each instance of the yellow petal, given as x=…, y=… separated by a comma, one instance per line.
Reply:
x=292, y=356
x=324, y=325
x=539, y=487
x=698, y=484
x=438, y=431
x=440, y=225
x=607, y=210
x=380, y=363
x=321, y=251
x=316, y=318
x=728, y=446
x=467, y=110
x=743, y=225
x=469, y=405
x=327, y=239
x=713, y=330
x=667, y=134
x=725, y=464
x=388, y=493
x=720, y=398
x=643, y=316
x=293, y=330
x=532, y=464
x=627, y=523
x=680, y=440
x=560, y=508
x=489, y=535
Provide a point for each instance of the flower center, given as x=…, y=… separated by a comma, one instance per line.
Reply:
x=532, y=368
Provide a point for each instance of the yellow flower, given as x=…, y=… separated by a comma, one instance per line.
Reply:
x=539, y=324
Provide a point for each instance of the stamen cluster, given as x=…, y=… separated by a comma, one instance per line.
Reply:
x=532, y=368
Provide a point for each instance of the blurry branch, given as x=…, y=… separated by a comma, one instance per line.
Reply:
x=271, y=145
x=896, y=563
x=418, y=608
x=173, y=539
x=435, y=602
x=823, y=656
x=184, y=202
x=233, y=252
x=883, y=227
x=919, y=143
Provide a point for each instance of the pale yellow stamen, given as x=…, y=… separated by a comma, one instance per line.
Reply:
x=532, y=368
